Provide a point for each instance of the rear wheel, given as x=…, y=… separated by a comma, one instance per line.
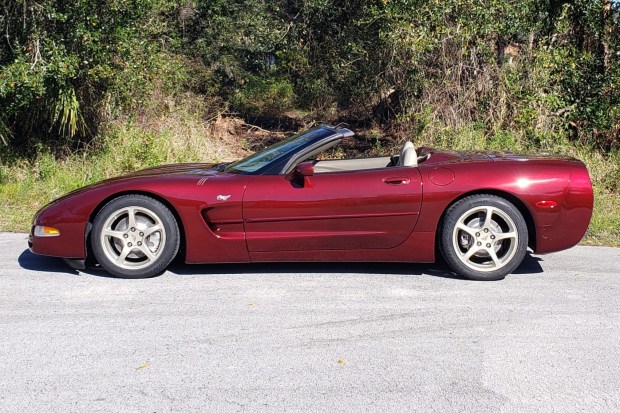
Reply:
x=135, y=236
x=483, y=237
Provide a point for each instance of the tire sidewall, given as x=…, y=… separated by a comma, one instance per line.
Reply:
x=454, y=213
x=169, y=223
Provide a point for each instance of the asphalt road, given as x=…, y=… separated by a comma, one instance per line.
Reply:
x=310, y=337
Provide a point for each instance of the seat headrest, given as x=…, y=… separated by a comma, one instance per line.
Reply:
x=409, y=158
x=407, y=144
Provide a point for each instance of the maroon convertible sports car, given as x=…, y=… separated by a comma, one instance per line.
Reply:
x=290, y=202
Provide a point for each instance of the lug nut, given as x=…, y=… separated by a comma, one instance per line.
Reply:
x=477, y=234
x=129, y=244
x=142, y=234
x=486, y=230
x=479, y=243
x=492, y=236
x=125, y=235
x=139, y=243
x=488, y=245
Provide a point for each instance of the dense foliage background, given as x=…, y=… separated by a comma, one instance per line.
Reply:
x=540, y=67
x=145, y=81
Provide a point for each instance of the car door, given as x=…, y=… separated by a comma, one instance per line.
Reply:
x=366, y=209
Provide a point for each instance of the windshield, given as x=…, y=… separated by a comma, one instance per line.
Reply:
x=261, y=160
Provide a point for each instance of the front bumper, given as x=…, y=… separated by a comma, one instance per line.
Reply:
x=70, y=243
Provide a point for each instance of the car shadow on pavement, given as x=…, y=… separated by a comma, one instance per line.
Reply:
x=436, y=270
x=33, y=262
x=530, y=265
x=29, y=261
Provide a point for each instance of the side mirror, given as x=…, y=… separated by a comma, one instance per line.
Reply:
x=305, y=169
x=300, y=175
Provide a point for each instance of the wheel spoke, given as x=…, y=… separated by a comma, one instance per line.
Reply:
x=150, y=230
x=124, y=253
x=468, y=230
x=494, y=257
x=505, y=235
x=470, y=252
x=487, y=219
x=113, y=234
x=131, y=217
x=147, y=252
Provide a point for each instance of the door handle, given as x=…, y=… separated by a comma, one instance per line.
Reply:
x=397, y=181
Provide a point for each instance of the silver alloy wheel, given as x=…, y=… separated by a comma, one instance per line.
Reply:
x=485, y=238
x=133, y=237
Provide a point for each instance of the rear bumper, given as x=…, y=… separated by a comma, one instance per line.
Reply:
x=574, y=217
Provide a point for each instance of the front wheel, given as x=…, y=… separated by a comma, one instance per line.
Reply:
x=135, y=236
x=483, y=237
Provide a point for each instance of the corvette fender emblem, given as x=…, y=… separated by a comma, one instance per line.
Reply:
x=222, y=197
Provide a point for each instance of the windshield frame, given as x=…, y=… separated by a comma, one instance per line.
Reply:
x=283, y=151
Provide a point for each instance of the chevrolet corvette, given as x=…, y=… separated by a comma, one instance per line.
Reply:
x=301, y=200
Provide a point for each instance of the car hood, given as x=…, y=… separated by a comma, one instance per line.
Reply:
x=201, y=169
x=173, y=169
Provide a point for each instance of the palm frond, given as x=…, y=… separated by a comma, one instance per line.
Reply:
x=67, y=114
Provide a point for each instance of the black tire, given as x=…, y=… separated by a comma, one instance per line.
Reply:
x=471, y=244
x=142, y=252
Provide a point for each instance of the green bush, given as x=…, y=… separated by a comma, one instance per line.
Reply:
x=66, y=66
x=259, y=96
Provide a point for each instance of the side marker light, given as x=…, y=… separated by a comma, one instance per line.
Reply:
x=42, y=231
x=546, y=204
